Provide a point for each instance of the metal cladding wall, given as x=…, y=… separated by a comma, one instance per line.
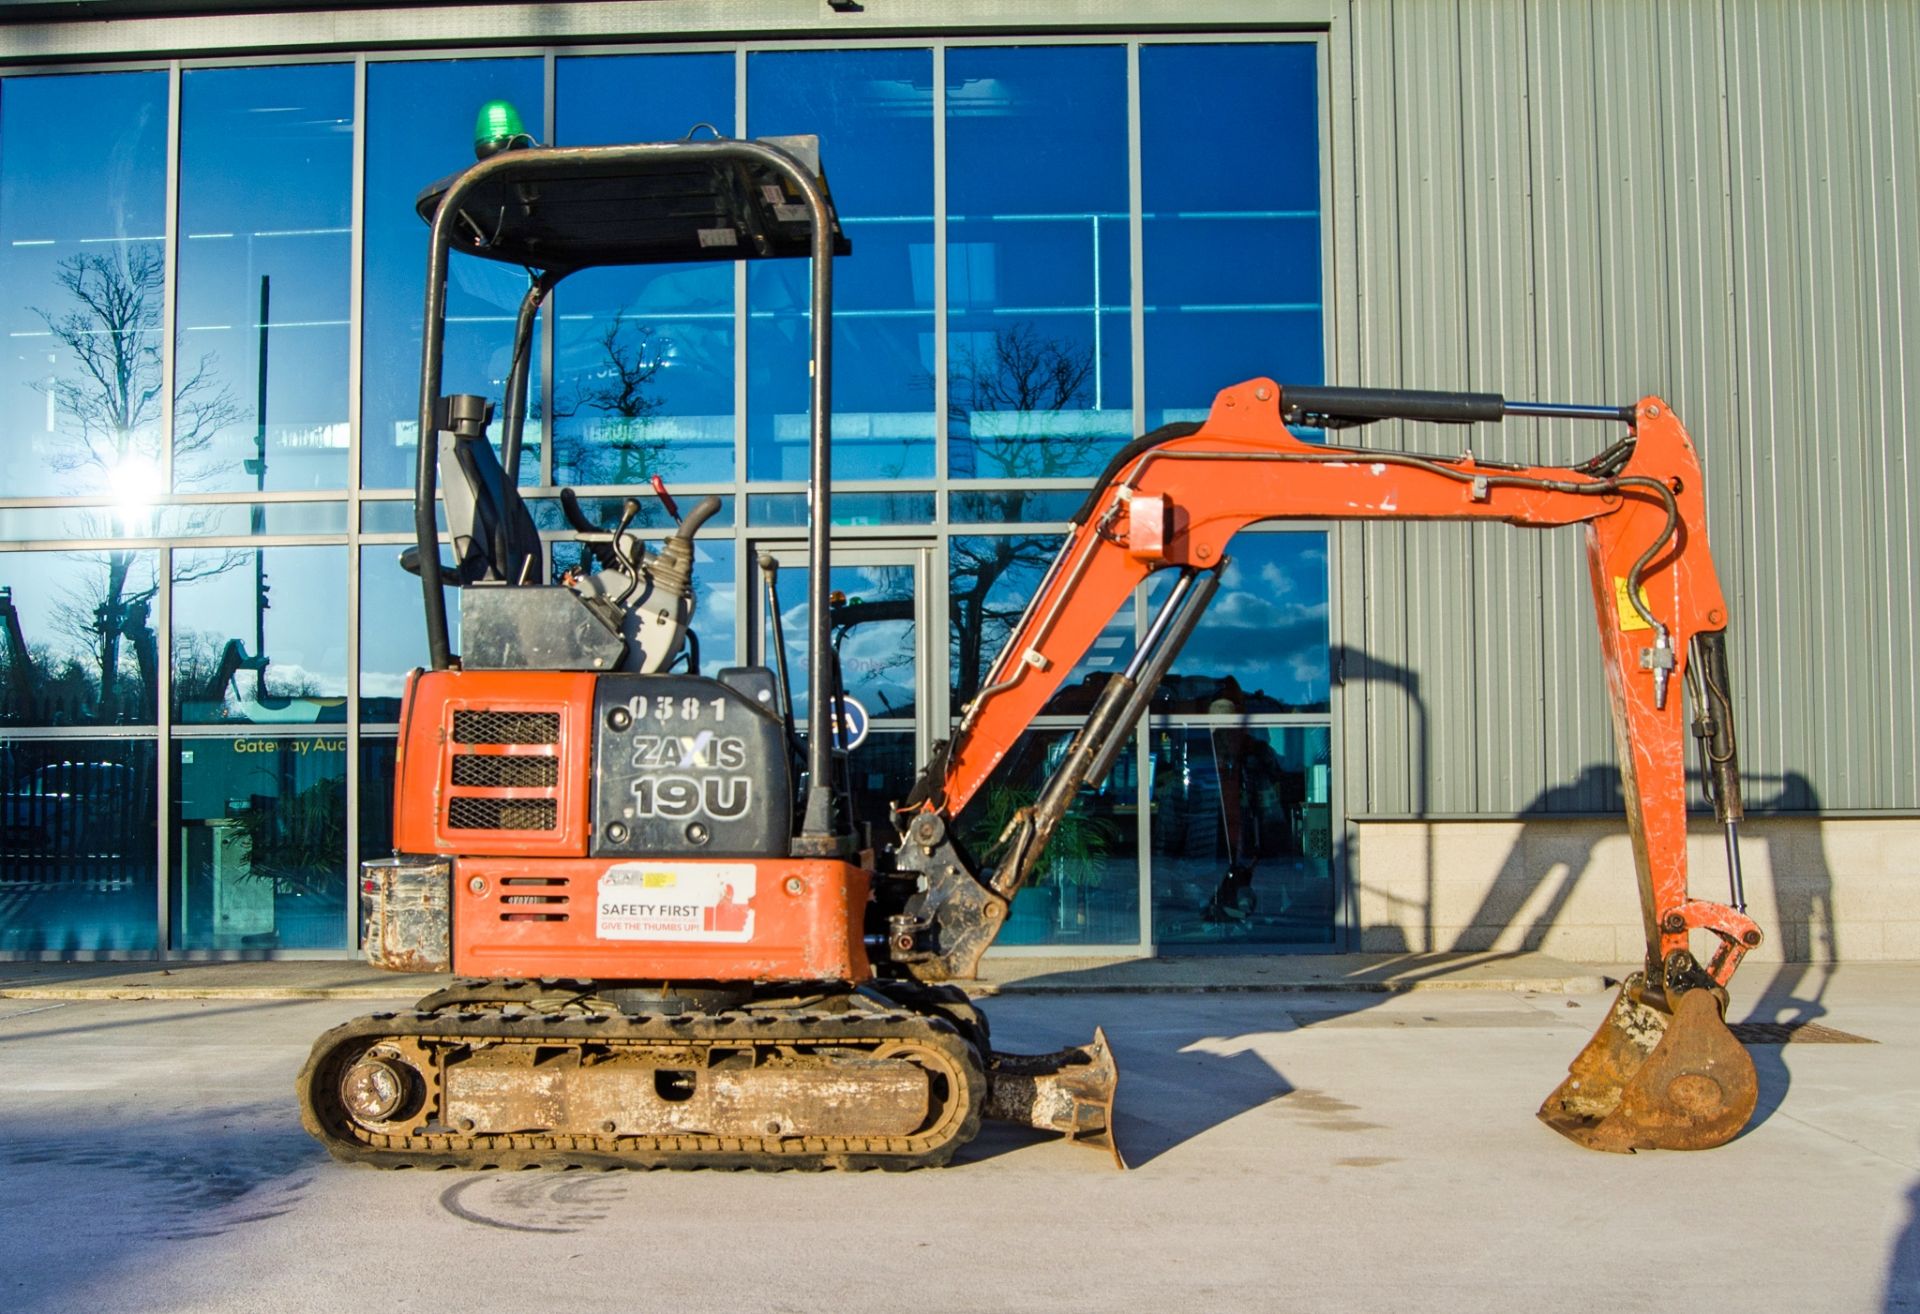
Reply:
x=1594, y=201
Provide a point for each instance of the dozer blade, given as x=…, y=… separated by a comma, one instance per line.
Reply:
x=1651, y=1079
x=1070, y=1091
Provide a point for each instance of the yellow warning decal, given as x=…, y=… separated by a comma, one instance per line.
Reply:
x=666, y=880
x=1629, y=618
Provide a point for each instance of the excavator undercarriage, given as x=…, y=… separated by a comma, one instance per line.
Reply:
x=677, y=943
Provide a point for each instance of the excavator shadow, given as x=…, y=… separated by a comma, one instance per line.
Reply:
x=1178, y=1078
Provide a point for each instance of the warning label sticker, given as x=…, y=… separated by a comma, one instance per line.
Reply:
x=676, y=901
x=1630, y=618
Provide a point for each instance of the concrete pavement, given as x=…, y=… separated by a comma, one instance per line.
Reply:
x=1350, y=1151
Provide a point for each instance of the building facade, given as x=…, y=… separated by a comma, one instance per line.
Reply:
x=1064, y=234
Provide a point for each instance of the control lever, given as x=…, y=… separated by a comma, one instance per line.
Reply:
x=666, y=498
x=602, y=552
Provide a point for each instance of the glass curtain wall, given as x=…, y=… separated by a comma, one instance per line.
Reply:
x=212, y=428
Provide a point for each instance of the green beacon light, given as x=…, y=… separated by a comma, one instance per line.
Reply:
x=498, y=127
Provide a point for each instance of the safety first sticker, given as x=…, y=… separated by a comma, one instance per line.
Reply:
x=676, y=901
x=1623, y=603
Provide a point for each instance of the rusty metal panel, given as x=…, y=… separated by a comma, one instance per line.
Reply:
x=406, y=913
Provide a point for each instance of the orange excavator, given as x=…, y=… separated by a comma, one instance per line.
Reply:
x=674, y=942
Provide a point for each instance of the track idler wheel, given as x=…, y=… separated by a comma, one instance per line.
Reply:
x=1663, y=1072
x=1069, y=1091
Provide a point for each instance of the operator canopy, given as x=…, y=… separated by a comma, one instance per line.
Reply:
x=677, y=210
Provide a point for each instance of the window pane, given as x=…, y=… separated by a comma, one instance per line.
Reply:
x=644, y=366
x=77, y=643
x=872, y=631
x=78, y=845
x=260, y=635
x=991, y=580
x=266, y=192
x=393, y=630
x=1086, y=888
x=83, y=179
x=1242, y=835
x=260, y=843
x=419, y=130
x=1231, y=186
x=1262, y=645
x=873, y=113
x=1040, y=367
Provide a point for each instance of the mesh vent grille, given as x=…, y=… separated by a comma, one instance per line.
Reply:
x=464, y=813
x=495, y=727
x=506, y=772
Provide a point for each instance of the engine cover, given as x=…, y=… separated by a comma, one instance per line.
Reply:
x=686, y=766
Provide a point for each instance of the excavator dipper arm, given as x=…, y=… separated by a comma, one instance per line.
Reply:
x=1175, y=499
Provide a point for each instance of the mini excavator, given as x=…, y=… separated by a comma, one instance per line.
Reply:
x=675, y=945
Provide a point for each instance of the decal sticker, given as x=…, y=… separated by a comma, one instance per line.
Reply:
x=711, y=902
x=1629, y=618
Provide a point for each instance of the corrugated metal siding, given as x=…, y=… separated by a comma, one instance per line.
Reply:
x=1590, y=201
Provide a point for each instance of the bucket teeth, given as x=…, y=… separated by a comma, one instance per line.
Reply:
x=1661, y=1073
x=1069, y=1091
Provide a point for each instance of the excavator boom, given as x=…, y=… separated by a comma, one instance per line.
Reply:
x=1175, y=499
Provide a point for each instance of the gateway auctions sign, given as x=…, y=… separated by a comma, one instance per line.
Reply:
x=676, y=901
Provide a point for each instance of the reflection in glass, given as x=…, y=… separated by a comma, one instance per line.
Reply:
x=880, y=773
x=991, y=578
x=1086, y=888
x=1262, y=645
x=266, y=190
x=714, y=622
x=420, y=129
x=78, y=838
x=902, y=508
x=1231, y=188
x=260, y=635
x=1013, y=506
x=393, y=633
x=259, y=841
x=1242, y=835
x=83, y=169
x=77, y=641
x=872, y=630
x=873, y=112
x=1040, y=369
x=643, y=376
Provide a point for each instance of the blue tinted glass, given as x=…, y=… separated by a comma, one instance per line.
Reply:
x=78, y=845
x=83, y=181
x=419, y=130
x=991, y=577
x=1086, y=888
x=266, y=192
x=1242, y=835
x=1231, y=187
x=260, y=635
x=77, y=642
x=1040, y=364
x=1013, y=506
x=260, y=842
x=1262, y=646
x=904, y=508
x=873, y=113
x=393, y=630
x=643, y=376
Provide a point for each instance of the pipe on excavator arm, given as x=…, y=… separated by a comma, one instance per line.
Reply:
x=1175, y=499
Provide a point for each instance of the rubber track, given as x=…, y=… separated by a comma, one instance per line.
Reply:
x=435, y=1146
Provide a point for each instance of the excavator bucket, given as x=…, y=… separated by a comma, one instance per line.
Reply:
x=1654, y=1079
x=1070, y=1091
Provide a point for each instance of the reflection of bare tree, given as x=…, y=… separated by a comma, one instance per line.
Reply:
x=108, y=433
x=1026, y=380
x=1023, y=378
x=626, y=448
